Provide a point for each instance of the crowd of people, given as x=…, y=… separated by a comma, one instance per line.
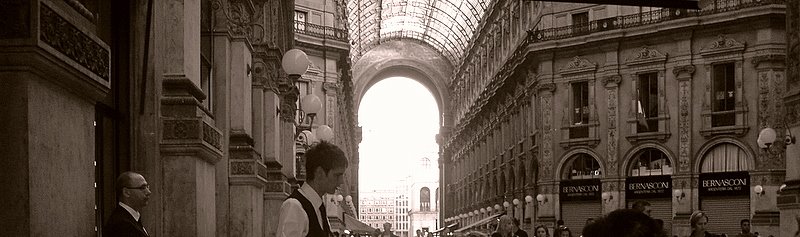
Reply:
x=633, y=222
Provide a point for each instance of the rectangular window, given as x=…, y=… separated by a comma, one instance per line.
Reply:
x=723, y=95
x=300, y=20
x=580, y=22
x=580, y=110
x=206, y=56
x=647, y=103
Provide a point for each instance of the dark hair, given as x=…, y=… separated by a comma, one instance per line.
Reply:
x=623, y=223
x=540, y=227
x=325, y=155
x=124, y=180
x=560, y=222
x=562, y=229
x=640, y=204
x=516, y=221
x=743, y=221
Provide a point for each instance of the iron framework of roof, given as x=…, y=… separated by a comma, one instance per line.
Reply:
x=446, y=25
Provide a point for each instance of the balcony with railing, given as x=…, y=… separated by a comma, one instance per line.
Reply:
x=320, y=32
x=644, y=18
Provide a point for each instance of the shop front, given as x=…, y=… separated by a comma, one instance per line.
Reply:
x=580, y=192
x=724, y=188
x=650, y=179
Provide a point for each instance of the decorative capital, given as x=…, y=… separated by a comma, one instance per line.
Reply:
x=331, y=87
x=768, y=59
x=548, y=87
x=612, y=81
x=241, y=19
x=684, y=72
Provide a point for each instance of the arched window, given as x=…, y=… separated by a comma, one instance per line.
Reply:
x=650, y=161
x=725, y=157
x=582, y=166
x=425, y=199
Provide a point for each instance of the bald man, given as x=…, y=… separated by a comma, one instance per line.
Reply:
x=133, y=192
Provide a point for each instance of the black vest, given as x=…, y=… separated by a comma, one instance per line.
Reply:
x=314, y=229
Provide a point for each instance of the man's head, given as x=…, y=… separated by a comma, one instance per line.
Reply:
x=623, y=223
x=745, y=223
x=387, y=226
x=133, y=190
x=325, y=166
x=643, y=206
x=505, y=224
x=560, y=222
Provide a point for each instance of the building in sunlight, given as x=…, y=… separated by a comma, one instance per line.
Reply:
x=423, y=191
x=377, y=207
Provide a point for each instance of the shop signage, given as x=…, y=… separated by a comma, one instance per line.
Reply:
x=724, y=184
x=642, y=187
x=580, y=190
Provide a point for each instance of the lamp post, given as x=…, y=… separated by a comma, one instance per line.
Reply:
x=295, y=63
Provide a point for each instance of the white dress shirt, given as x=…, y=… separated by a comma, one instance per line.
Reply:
x=133, y=212
x=293, y=221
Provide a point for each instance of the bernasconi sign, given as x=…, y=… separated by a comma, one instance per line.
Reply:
x=643, y=187
x=580, y=190
x=724, y=184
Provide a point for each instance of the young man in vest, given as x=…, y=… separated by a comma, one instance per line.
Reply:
x=303, y=213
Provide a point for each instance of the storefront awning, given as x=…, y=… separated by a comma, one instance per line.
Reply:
x=357, y=227
x=446, y=227
x=480, y=222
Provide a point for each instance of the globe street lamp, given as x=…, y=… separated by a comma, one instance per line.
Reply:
x=295, y=63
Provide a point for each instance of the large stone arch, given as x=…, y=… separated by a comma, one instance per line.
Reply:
x=405, y=58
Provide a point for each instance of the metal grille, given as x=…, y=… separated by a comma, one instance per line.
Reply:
x=724, y=213
x=662, y=209
x=575, y=214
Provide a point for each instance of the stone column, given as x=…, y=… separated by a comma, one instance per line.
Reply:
x=190, y=144
x=770, y=69
x=788, y=201
x=683, y=195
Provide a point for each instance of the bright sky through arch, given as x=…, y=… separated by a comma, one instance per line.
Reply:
x=399, y=120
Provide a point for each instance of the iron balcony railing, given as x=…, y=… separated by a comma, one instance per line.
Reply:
x=644, y=18
x=328, y=32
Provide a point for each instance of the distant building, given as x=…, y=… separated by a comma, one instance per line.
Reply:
x=377, y=207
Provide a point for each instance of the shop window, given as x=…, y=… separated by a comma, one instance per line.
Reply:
x=725, y=157
x=647, y=103
x=723, y=93
x=579, y=121
x=650, y=161
x=724, y=107
x=583, y=166
x=580, y=110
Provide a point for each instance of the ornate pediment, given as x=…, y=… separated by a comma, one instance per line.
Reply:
x=722, y=45
x=578, y=65
x=646, y=55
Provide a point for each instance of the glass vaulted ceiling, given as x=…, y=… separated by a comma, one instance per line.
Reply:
x=447, y=25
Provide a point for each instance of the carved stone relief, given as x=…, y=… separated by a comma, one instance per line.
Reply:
x=67, y=39
x=684, y=75
x=612, y=90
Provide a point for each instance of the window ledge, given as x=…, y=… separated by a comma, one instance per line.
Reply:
x=737, y=130
x=588, y=141
x=659, y=136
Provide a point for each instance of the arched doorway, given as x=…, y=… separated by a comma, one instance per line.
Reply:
x=724, y=187
x=580, y=191
x=649, y=179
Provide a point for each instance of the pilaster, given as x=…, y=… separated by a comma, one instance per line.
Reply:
x=788, y=200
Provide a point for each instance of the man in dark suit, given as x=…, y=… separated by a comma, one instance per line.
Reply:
x=132, y=193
